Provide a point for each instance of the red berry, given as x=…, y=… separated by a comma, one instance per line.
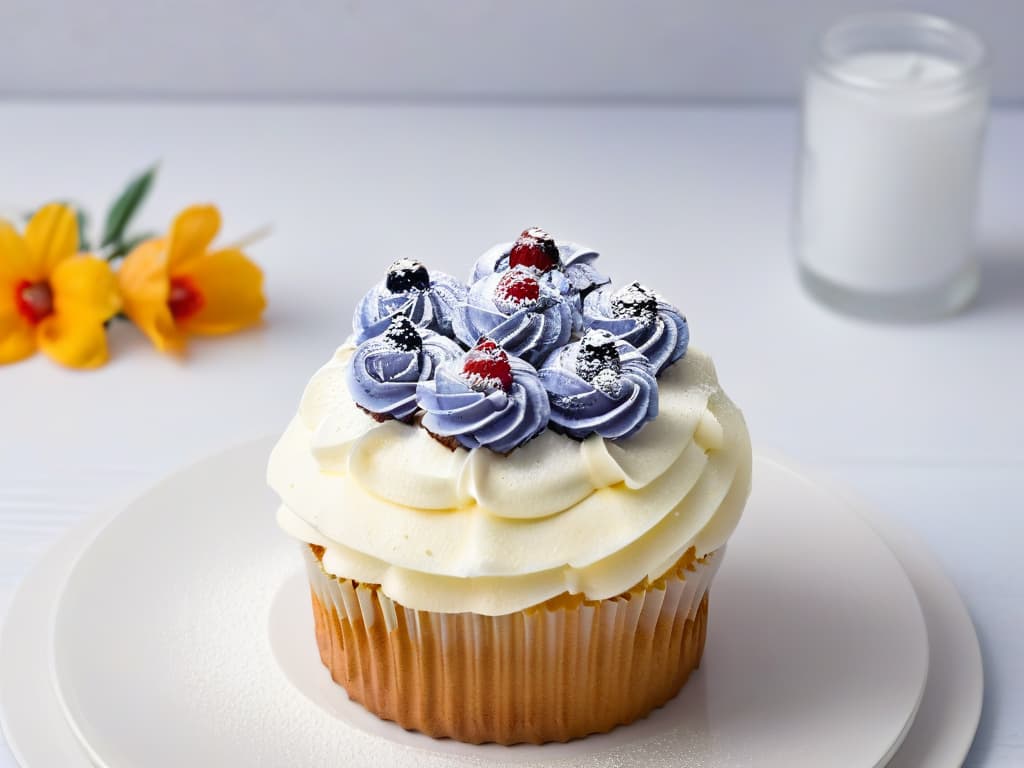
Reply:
x=516, y=289
x=535, y=248
x=486, y=367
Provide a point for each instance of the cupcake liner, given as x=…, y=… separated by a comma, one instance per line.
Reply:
x=553, y=672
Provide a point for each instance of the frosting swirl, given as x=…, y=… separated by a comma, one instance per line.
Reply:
x=577, y=265
x=385, y=463
x=475, y=530
x=600, y=385
x=428, y=299
x=636, y=314
x=524, y=314
x=488, y=399
x=386, y=369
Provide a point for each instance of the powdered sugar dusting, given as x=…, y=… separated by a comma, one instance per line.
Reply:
x=403, y=335
x=635, y=301
x=517, y=289
x=597, y=353
x=609, y=382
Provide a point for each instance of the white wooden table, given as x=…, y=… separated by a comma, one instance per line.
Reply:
x=925, y=421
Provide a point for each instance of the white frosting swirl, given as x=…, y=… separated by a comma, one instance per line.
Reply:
x=453, y=531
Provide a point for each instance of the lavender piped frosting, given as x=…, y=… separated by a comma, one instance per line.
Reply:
x=480, y=412
x=640, y=316
x=577, y=265
x=387, y=368
x=428, y=299
x=528, y=306
x=529, y=328
x=599, y=385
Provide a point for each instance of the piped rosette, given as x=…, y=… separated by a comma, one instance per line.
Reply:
x=519, y=311
x=563, y=261
x=636, y=314
x=599, y=385
x=488, y=398
x=386, y=369
x=428, y=299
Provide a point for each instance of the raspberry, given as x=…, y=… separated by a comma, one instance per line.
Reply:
x=535, y=248
x=486, y=367
x=516, y=289
x=406, y=275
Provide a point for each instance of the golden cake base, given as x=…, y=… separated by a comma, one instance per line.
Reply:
x=554, y=672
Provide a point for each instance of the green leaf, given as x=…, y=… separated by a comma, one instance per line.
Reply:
x=83, y=230
x=125, y=207
x=125, y=247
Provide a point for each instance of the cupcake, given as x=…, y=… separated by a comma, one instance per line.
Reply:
x=511, y=536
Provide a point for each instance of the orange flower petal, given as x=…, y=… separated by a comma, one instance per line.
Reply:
x=87, y=286
x=17, y=338
x=52, y=236
x=231, y=287
x=74, y=340
x=16, y=262
x=144, y=284
x=191, y=234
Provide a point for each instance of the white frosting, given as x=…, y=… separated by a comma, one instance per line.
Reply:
x=454, y=531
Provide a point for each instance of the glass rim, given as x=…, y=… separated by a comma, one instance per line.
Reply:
x=973, y=65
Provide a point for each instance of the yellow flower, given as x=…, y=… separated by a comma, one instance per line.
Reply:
x=176, y=286
x=52, y=298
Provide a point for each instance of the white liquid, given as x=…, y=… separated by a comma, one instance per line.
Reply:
x=889, y=174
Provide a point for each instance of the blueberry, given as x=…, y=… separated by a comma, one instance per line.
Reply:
x=403, y=335
x=406, y=275
x=597, y=352
x=635, y=301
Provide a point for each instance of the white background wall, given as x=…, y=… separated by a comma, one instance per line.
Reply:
x=693, y=49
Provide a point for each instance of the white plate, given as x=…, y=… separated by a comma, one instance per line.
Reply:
x=162, y=657
x=943, y=731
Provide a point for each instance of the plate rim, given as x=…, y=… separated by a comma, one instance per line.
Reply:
x=887, y=528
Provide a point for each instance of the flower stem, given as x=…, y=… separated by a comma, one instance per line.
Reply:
x=251, y=238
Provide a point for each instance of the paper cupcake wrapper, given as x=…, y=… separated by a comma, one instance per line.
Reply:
x=554, y=672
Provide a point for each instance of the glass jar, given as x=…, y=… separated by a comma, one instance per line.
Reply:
x=894, y=111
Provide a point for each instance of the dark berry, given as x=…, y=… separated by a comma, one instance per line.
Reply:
x=516, y=289
x=406, y=275
x=635, y=301
x=597, y=352
x=535, y=248
x=486, y=367
x=403, y=335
